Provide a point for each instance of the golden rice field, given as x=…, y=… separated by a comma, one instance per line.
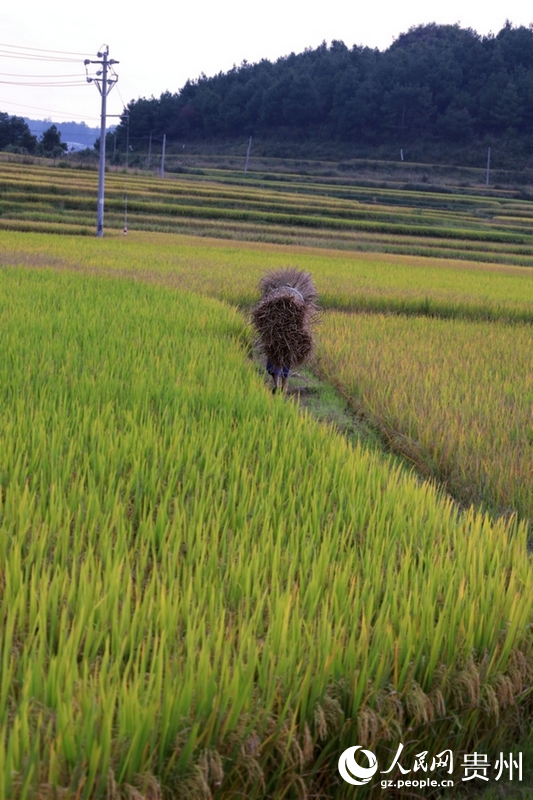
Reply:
x=231, y=271
x=455, y=396
x=204, y=592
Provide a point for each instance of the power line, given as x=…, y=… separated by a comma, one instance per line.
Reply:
x=44, y=83
x=43, y=50
x=23, y=75
x=50, y=112
x=121, y=99
x=31, y=57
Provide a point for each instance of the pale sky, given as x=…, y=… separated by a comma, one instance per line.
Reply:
x=160, y=46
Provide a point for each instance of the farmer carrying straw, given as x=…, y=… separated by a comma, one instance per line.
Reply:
x=283, y=319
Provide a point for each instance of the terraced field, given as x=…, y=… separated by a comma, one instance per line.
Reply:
x=489, y=225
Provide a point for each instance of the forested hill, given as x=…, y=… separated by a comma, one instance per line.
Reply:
x=435, y=83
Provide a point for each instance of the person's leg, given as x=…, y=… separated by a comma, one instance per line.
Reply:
x=275, y=373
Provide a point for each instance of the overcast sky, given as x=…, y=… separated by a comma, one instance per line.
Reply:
x=160, y=46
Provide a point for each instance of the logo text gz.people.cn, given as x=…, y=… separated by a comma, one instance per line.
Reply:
x=475, y=766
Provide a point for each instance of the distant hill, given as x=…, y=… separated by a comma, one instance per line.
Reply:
x=77, y=135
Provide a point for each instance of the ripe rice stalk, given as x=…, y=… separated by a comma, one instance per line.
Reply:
x=426, y=397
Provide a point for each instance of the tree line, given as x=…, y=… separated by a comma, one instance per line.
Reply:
x=16, y=137
x=435, y=82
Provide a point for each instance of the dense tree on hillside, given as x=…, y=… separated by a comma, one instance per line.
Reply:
x=435, y=82
x=15, y=134
x=50, y=143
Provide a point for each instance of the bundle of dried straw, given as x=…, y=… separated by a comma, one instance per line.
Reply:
x=284, y=317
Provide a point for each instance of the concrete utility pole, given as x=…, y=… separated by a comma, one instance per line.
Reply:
x=162, y=170
x=247, y=155
x=104, y=85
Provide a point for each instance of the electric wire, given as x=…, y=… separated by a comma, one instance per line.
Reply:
x=46, y=59
x=24, y=53
x=51, y=112
x=20, y=53
x=23, y=75
x=42, y=49
x=44, y=83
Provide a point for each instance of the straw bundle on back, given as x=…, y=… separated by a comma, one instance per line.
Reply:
x=291, y=278
x=283, y=318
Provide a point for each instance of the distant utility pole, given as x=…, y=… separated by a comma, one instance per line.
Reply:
x=247, y=155
x=488, y=168
x=104, y=85
x=162, y=171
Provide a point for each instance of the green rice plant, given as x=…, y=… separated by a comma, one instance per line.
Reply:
x=203, y=590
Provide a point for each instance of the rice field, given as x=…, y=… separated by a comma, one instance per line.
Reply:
x=172, y=533
x=490, y=225
x=434, y=325
x=345, y=281
x=207, y=593
x=454, y=396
